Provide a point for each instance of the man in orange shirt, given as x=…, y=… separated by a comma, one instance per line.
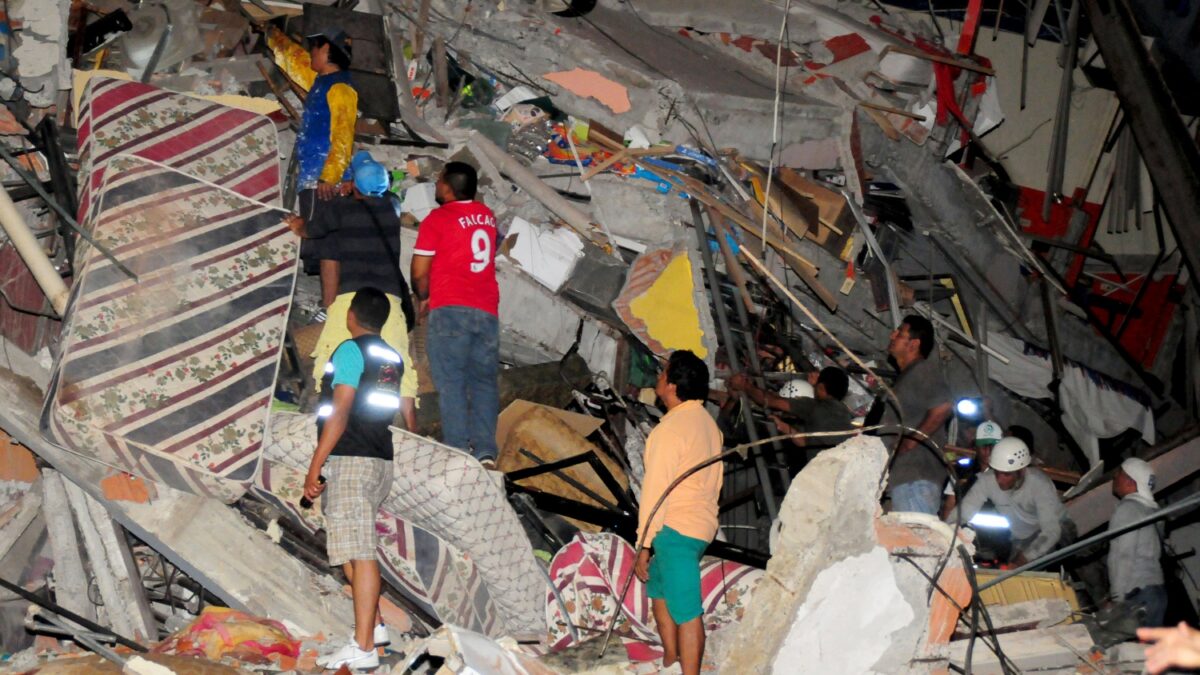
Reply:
x=687, y=520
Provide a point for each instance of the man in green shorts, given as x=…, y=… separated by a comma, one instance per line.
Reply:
x=687, y=520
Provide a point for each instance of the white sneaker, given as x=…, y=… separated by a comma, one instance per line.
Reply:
x=350, y=656
x=382, y=639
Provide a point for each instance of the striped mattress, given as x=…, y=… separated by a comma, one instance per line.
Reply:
x=170, y=377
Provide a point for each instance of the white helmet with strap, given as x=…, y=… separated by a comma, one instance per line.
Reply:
x=797, y=388
x=1010, y=454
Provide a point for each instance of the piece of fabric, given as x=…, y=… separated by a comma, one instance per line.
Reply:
x=461, y=238
x=435, y=575
x=918, y=496
x=590, y=573
x=335, y=332
x=675, y=574
x=1143, y=476
x=685, y=437
x=355, y=489
x=326, y=136
x=921, y=387
x=232, y=148
x=170, y=377
x=220, y=632
x=1133, y=557
x=1094, y=405
x=364, y=235
x=1150, y=599
x=1036, y=515
x=463, y=347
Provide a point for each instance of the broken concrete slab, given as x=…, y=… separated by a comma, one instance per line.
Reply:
x=827, y=516
x=194, y=533
x=1025, y=615
x=826, y=635
x=70, y=579
x=117, y=577
x=1058, y=647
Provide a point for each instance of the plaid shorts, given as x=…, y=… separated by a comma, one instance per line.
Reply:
x=356, y=489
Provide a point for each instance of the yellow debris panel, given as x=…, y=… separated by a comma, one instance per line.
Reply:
x=669, y=310
x=1025, y=587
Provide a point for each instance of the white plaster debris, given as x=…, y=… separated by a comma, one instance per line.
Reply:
x=826, y=638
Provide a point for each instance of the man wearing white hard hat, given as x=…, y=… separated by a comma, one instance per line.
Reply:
x=1135, y=575
x=814, y=404
x=1025, y=496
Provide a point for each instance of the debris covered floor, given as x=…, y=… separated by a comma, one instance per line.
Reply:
x=771, y=185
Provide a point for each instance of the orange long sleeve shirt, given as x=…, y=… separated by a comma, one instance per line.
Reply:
x=686, y=436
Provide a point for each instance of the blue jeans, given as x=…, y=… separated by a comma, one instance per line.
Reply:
x=1154, y=599
x=463, y=345
x=920, y=496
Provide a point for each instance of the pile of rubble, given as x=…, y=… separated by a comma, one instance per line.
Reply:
x=767, y=186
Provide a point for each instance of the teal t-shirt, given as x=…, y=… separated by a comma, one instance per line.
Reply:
x=348, y=365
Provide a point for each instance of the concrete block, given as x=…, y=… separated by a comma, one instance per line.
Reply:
x=1059, y=647
x=1026, y=615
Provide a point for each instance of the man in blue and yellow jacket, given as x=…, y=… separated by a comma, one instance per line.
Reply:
x=325, y=140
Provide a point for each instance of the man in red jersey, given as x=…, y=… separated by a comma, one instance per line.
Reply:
x=454, y=276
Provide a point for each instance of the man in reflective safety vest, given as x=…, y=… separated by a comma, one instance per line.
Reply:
x=360, y=396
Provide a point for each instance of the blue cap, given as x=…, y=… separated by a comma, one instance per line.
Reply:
x=370, y=177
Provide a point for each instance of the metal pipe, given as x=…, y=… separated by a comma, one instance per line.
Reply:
x=69, y=615
x=31, y=252
x=1066, y=551
x=734, y=269
x=68, y=218
x=760, y=464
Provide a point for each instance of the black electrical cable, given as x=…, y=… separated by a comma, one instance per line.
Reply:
x=71, y=616
x=961, y=610
x=969, y=567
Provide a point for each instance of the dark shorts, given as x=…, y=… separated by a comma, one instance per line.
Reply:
x=675, y=574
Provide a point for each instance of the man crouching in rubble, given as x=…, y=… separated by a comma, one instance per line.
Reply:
x=1026, y=497
x=360, y=395
x=687, y=520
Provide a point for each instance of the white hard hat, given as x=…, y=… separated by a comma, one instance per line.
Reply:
x=988, y=433
x=797, y=388
x=1142, y=474
x=1010, y=454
